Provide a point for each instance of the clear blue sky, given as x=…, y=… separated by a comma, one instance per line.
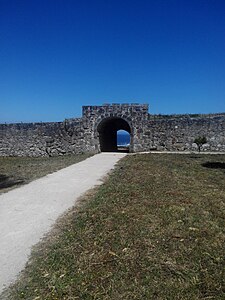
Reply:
x=57, y=55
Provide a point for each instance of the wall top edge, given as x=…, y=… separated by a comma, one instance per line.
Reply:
x=151, y=117
x=116, y=104
x=32, y=123
x=209, y=115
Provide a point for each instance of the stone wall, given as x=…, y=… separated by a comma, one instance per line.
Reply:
x=41, y=139
x=81, y=135
x=134, y=114
x=178, y=132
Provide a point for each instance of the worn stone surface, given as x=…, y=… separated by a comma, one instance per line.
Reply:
x=80, y=135
x=178, y=132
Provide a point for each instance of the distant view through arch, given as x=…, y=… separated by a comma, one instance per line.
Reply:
x=123, y=140
x=108, y=130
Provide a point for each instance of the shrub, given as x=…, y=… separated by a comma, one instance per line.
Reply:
x=200, y=141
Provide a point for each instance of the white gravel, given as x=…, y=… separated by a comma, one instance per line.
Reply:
x=28, y=213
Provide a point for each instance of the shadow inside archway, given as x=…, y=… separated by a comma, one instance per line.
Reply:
x=107, y=130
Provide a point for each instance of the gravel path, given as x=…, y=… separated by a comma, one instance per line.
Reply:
x=27, y=213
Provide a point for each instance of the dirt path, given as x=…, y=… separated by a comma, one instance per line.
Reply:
x=28, y=212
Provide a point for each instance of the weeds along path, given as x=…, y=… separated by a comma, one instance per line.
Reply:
x=28, y=212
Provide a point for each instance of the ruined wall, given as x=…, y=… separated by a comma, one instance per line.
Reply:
x=178, y=132
x=80, y=135
x=42, y=139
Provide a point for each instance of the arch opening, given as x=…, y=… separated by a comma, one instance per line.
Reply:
x=123, y=140
x=107, y=130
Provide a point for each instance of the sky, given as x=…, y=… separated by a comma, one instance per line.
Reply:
x=57, y=55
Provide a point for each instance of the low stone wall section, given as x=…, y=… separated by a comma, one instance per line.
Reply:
x=178, y=132
x=42, y=139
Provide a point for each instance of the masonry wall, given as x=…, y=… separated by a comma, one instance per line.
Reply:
x=42, y=139
x=80, y=135
x=134, y=114
x=178, y=132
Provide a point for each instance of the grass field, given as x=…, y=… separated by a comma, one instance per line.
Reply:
x=15, y=171
x=153, y=230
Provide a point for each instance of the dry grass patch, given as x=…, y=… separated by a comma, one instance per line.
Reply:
x=15, y=171
x=153, y=230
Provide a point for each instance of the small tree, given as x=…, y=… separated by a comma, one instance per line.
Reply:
x=201, y=140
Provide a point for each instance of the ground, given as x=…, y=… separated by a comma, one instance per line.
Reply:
x=153, y=230
x=15, y=171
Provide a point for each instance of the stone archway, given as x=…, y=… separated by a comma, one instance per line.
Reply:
x=107, y=130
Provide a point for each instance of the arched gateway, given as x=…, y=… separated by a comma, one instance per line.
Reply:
x=107, y=130
x=104, y=121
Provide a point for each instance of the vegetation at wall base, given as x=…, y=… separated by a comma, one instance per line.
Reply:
x=153, y=230
x=200, y=141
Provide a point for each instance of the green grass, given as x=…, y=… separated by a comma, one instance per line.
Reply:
x=153, y=230
x=15, y=171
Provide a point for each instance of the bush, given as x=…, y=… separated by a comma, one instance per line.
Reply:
x=200, y=141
